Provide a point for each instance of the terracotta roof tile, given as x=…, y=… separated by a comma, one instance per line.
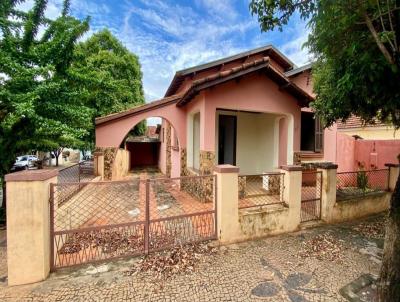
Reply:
x=355, y=122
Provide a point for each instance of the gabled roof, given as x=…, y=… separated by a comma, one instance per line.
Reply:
x=298, y=70
x=241, y=70
x=269, y=50
x=217, y=78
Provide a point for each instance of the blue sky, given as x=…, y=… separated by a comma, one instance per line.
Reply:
x=172, y=35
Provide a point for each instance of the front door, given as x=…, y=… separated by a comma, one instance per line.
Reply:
x=227, y=140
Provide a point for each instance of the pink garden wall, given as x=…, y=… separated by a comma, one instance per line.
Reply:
x=372, y=154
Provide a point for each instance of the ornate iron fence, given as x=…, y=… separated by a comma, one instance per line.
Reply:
x=105, y=220
x=361, y=183
x=260, y=190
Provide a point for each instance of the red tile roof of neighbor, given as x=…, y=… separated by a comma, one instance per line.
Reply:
x=215, y=79
x=355, y=122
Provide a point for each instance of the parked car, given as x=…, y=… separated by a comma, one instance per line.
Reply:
x=24, y=162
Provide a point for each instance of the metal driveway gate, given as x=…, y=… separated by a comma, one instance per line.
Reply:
x=95, y=221
x=311, y=188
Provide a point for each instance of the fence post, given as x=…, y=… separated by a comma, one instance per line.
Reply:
x=98, y=163
x=328, y=193
x=147, y=219
x=394, y=170
x=292, y=194
x=227, y=204
x=28, y=225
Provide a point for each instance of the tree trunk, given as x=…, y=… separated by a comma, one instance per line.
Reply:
x=56, y=155
x=389, y=287
x=4, y=202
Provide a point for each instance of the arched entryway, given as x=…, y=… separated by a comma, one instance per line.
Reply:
x=113, y=133
x=157, y=147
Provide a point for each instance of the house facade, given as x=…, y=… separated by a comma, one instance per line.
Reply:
x=249, y=110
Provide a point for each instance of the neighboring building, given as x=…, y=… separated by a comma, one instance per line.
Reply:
x=144, y=150
x=369, y=146
x=377, y=131
x=249, y=110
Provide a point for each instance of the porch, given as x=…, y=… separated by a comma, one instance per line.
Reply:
x=256, y=142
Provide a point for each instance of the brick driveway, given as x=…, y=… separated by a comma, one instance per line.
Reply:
x=270, y=267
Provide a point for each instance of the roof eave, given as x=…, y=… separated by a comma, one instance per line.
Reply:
x=284, y=83
x=285, y=62
x=136, y=110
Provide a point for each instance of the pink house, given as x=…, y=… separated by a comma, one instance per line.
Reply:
x=249, y=110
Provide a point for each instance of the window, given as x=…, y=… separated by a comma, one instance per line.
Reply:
x=319, y=136
x=312, y=133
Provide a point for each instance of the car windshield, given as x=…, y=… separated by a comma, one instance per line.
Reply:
x=23, y=158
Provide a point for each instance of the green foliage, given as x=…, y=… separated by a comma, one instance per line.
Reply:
x=362, y=180
x=273, y=14
x=356, y=44
x=108, y=74
x=52, y=87
x=38, y=110
x=356, y=47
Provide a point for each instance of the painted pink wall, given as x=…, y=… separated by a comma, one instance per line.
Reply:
x=162, y=158
x=175, y=153
x=330, y=144
x=113, y=133
x=304, y=81
x=345, y=153
x=376, y=153
x=176, y=163
x=253, y=93
x=175, y=156
x=283, y=136
x=371, y=153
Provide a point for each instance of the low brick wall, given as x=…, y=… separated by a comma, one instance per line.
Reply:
x=359, y=207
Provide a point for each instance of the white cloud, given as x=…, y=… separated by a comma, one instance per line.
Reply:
x=220, y=8
x=292, y=39
x=170, y=38
x=53, y=9
x=153, y=121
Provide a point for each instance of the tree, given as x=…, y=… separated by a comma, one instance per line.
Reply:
x=109, y=76
x=38, y=110
x=356, y=45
